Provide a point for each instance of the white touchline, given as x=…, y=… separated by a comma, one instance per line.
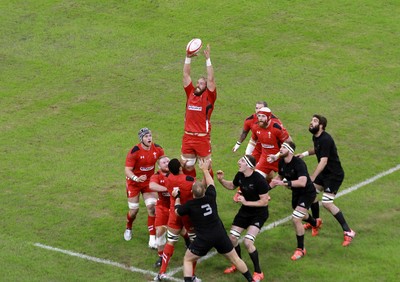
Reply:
x=286, y=219
x=103, y=261
x=212, y=253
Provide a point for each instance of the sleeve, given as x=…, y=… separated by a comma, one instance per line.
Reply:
x=210, y=191
x=130, y=160
x=263, y=186
x=183, y=209
x=301, y=168
x=212, y=95
x=189, y=89
x=155, y=178
x=236, y=180
x=283, y=134
x=247, y=124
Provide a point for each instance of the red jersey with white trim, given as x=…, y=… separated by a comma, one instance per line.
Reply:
x=199, y=110
x=143, y=162
x=271, y=138
x=163, y=197
x=184, y=183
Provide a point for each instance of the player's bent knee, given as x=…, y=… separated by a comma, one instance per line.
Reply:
x=327, y=199
x=172, y=237
x=298, y=215
x=250, y=238
x=189, y=161
x=133, y=206
x=150, y=202
x=235, y=234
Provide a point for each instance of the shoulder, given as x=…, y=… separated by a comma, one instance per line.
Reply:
x=189, y=178
x=135, y=149
x=250, y=118
x=276, y=125
x=157, y=146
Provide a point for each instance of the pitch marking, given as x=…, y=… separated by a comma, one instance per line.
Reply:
x=213, y=253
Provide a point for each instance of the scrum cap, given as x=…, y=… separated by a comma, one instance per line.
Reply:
x=265, y=111
x=142, y=132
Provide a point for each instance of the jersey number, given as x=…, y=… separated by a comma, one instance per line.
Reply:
x=208, y=209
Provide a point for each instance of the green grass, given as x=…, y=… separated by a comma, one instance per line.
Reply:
x=79, y=78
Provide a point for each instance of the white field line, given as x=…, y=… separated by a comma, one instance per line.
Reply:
x=103, y=261
x=286, y=219
x=212, y=253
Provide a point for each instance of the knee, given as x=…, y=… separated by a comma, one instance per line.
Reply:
x=150, y=205
x=249, y=241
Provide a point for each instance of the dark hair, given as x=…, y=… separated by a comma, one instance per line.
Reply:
x=174, y=165
x=322, y=120
x=291, y=144
x=252, y=159
x=262, y=102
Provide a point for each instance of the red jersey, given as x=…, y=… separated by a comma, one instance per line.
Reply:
x=143, y=162
x=199, y=110
x=271, y=138
x=252, y=122
x=163, y=197
x=184, y=183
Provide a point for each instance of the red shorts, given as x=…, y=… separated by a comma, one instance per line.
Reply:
x=196, y=145
x=132, y=190
x=265, y=166
x=162, y=215
x=178, y=222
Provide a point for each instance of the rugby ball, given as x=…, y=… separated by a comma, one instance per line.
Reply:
x=194, y=46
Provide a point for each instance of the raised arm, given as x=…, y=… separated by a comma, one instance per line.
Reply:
x=227, y=184
x=210, y=69
x=186, y=71
x=204, y=165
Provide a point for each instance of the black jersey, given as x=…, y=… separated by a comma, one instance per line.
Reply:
x=324, y=146
x=203, y=214
x=293, y=170
x=252, y=187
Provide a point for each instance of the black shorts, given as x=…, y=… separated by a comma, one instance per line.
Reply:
x=245, y=219
x=201, y=246
x=303, y=199
x=330, y=184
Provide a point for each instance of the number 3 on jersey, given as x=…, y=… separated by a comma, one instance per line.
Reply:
x=208, y=209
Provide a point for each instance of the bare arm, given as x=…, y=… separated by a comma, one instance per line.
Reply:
x=227, y=184
x=129, y=173
x=157, y=187
x=204, y=165
x=320, y=167
x=262, y=202
x=210, y=70
x=306, y=153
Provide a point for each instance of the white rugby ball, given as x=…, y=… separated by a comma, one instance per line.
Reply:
x=194, y=46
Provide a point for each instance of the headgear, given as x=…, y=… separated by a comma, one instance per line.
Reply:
x=265, y=111
x=142, y=132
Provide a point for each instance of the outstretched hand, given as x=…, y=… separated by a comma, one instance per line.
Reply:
x=207, y=52
x=204, y=164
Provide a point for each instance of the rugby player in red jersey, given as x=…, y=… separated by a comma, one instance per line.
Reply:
x=200, y=99
x=139, y=167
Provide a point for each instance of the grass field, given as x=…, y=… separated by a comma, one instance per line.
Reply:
x=78, y=79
